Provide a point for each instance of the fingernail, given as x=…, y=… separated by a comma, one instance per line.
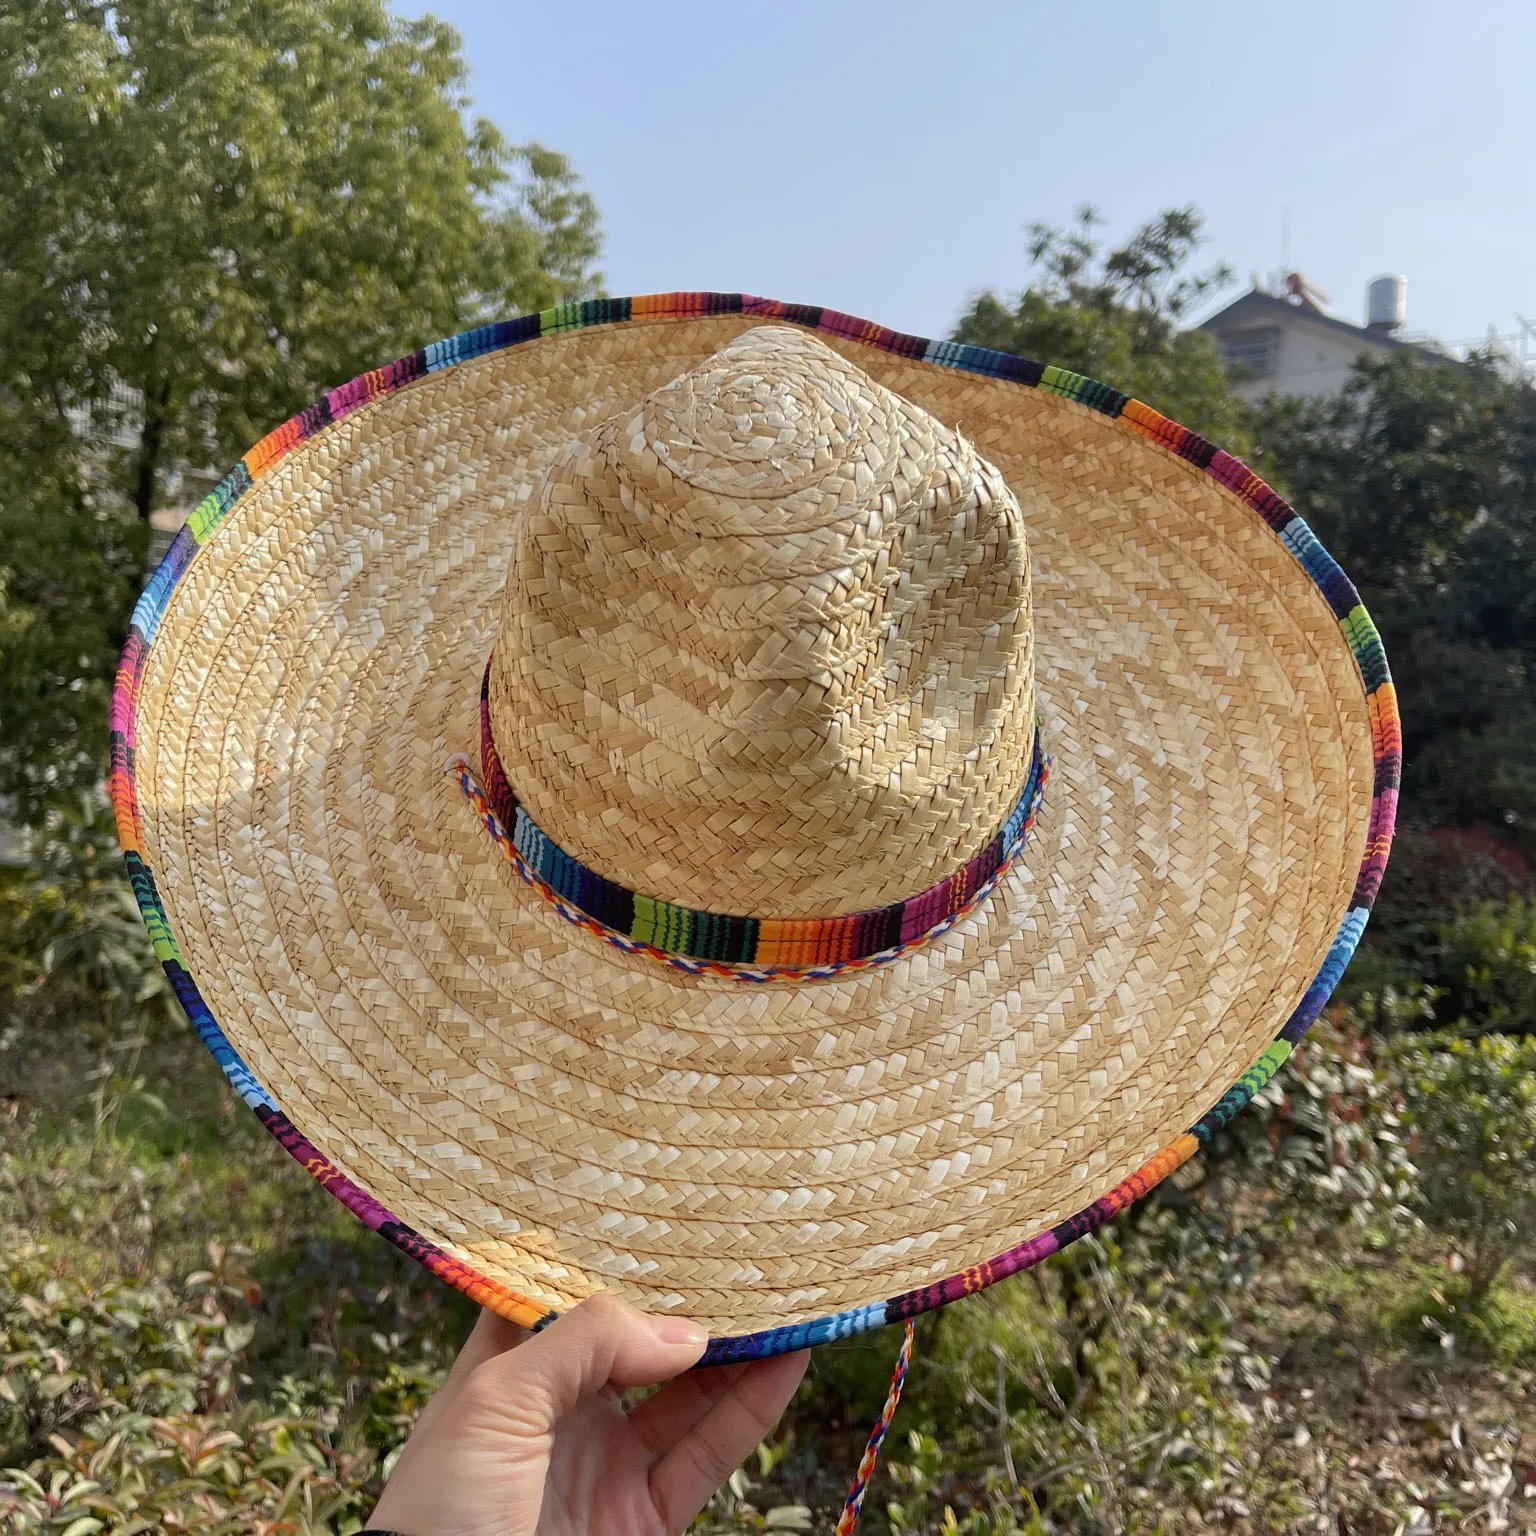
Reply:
x=680, y=1330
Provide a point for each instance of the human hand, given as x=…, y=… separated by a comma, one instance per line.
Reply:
x=528, y=1436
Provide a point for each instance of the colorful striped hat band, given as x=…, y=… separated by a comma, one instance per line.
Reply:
x=746, y=948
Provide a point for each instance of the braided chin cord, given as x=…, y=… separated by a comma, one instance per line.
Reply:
x=848, y=1522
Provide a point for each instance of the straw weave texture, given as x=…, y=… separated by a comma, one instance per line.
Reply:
x=734, y=695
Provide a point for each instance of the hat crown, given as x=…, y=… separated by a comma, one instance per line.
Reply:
x=769, y=436
x=765, y=645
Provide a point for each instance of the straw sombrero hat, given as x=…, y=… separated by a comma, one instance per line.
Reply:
x=718, y=801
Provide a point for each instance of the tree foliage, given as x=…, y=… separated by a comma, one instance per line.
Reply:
x=225, y=206
x=1117, y=315
x=1421, y=479
x=69, y=566
x=232, y=205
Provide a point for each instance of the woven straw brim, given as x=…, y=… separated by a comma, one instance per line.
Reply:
x=537, y=1115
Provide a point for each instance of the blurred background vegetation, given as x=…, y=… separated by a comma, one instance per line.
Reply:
x=1327, y=1324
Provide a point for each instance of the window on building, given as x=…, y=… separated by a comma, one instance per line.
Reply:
x=1252, y=353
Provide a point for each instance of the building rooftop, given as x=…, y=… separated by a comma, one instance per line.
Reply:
x=1257, y=306
x=1288, y=344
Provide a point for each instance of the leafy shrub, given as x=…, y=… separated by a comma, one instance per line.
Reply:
x=27, y=915
x=1471, y=1109
x=130, y=1407
x=126, y=1407
x=1488, y=960
x=1321, y=1144
x=1432, y=952
x=731, y=1513
x=1435, y=873
x=925, y=1476
x=80, y=988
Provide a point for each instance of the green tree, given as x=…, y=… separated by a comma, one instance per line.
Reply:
x=69, y=566
x=1117, y=315
x=1420, y=478
x=226, y=206
x=231, y=204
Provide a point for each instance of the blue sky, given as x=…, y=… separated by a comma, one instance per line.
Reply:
x=886, y=158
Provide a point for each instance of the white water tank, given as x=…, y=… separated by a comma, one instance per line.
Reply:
x=1386, y=303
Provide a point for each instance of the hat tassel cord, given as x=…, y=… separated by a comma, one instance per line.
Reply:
x=848, y=1522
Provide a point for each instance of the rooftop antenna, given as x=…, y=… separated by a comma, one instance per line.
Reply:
x=1285, y=241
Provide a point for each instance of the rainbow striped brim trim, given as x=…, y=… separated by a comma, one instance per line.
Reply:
x=1354, y=621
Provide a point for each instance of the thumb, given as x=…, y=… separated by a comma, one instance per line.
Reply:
x=603, y=1342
